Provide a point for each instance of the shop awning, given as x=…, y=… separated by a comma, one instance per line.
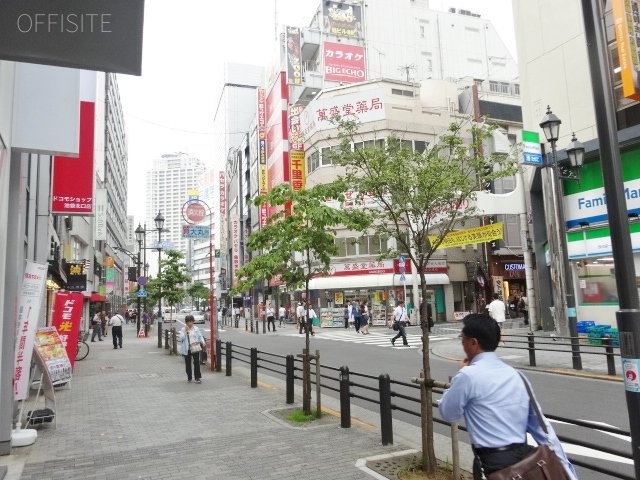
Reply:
x=347, y=282
x=95, y=297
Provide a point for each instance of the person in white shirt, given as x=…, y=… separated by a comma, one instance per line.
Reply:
x=271, y=319
x=312, y=315
x=400, y=319
x=116, y=329
x=300, y=313
x=281, y=314
x=497, y=310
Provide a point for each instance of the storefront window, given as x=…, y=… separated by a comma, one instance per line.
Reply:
x=597, y=284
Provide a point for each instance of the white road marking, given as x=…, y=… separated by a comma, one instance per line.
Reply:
x=373, y=338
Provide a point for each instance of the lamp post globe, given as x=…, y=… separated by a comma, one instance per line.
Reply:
x=550, y=125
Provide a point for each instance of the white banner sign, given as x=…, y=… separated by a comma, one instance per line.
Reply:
x=365, y=106
x=101, y=214
x=31, y=293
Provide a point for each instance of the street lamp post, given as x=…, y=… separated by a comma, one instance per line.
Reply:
x=139, y=238
x=159, y=221
x=564, y=291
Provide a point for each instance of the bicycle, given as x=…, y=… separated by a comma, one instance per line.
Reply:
x=82, y=350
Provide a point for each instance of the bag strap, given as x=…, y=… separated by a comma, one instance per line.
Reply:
x=534, y=404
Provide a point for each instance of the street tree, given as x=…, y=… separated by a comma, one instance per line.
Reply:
x=198, y=292
x=417, y=199
x=297, y=244
x=170, y=283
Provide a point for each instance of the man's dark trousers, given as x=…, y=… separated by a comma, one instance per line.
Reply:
x=401, y=333
x=116, y=332
x=497, y=460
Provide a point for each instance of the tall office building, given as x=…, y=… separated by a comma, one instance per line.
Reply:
x=168, y=185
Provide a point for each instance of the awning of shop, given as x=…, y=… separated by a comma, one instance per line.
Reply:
x=371, y=281
x=95, y=297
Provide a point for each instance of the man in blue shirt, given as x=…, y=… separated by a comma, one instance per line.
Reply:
x=493, y=399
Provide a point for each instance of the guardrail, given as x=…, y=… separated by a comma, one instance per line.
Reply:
x=391, y=395
x=605, y=346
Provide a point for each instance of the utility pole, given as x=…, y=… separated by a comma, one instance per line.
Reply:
x=628, y=316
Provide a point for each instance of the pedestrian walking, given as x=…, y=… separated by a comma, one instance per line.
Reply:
x=355, y=314
x=399, y=321
x=497, y=310
x=116, y=323
x=300, y=316
x=364, y=318
x=346, y=317
x=271, y=319
x=497, y=404
x=524, y=308
x=282, y=313
x=191, y=343
x=312, y=315
x=96, y=325
x=104, y=320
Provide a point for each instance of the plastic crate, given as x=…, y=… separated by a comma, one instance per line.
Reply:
x=614, y=335
x=596, y=333
x=583, y=327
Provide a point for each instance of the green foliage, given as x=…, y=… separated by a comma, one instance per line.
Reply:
x=420, y=197
x=298, y=416
x=298, y=242
x=197, y=291
x=173, y=276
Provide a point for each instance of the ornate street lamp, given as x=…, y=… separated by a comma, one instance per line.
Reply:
x=564, y=293
x=139, y=238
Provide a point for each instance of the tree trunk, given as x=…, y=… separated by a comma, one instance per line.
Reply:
x=306, y=361
x=429, y=461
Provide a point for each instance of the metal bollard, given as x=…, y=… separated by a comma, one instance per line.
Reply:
x=218, y=355
x=345, y=398
x=386, y=420
x=290, y=378
x=174, y=341
x=246, y=324
x=254, y=367
x=257, y=326
x=228, y=352
x=159, y=334
x=237, y=322
x=166, y=340
x=251, y=322
x=532, y=349
x=264, y=326
x=611, y=363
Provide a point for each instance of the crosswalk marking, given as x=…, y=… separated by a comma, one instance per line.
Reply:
x=373, y=338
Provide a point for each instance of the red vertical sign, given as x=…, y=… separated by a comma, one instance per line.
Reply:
x=67, y=313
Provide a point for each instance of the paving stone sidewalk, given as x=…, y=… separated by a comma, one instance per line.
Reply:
x=130, y=414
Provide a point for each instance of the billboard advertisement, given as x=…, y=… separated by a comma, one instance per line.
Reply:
x=294, y=61
x=627, y=32
x=263, y=185
x=342, y=19
x=277, y=135
x=344, y=63
x=85, y=34
x=72, y=178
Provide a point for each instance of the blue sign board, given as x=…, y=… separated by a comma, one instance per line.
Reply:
x=142, y=293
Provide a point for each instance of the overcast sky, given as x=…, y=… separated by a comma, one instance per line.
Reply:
x=170, y=107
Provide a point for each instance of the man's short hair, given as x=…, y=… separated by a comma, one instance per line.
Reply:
x=484, y=329
x=496, y=296
x=189, y=318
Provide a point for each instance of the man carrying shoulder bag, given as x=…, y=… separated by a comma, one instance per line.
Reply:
x=499, y=410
